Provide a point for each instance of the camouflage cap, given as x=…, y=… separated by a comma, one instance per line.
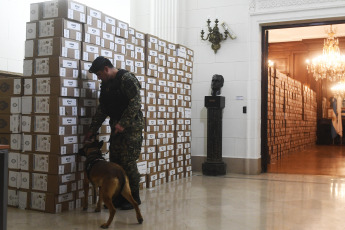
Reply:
x=98, y=64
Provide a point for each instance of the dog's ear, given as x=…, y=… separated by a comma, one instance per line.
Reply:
x=100, y=144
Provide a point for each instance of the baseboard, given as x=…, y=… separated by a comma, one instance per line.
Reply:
x=234, y=165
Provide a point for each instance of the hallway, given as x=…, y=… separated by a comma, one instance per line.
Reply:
x=315, y=160
x=238, y=202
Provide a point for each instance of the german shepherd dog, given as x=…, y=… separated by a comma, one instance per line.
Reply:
x=109, y=177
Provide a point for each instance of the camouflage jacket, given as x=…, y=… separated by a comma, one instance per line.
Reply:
x=131, y=118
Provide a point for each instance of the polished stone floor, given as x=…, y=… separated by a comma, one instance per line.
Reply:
x=238, y=202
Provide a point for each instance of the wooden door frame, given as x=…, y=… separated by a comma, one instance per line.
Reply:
x=264, y=81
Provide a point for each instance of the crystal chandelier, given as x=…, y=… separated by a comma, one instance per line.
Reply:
x=338, y=89
x=330, y=64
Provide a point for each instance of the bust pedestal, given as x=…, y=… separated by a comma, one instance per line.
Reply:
x=214, y=164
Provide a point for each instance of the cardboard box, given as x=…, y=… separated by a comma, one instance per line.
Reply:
x=130, y=64
x=171, y=49
x=181, y=51
x=67, y=87
x=151, y=69
x=122, y=29
x=84, y=69
x=94, y=17
x=51, y=203
x=50, y=105
x=108, y=24
x=64, y=9
x=11, y=86
x=56, y=46
x=108, y=40
x=171, y=175
x=151, y=166
x=120, y=45
x=131, y=36
x=119, y=61
x=171, y=62
x=90, y=52
x=151, y=180
x=10, y=123
x=53, y=164
x=151, y=42
x=10, y=105
x=51, y=66
x=92, y=35
x=139, y=68
x=55, y=124
x=55, y=144
x=141, y=38
x=140, y=53
x=59, y=27
x=130, y=50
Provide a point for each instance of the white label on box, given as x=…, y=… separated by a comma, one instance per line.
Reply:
x=94, y=31
x=69, y=121
x=45, y=47
x=120, y=41
x=40, y=162
x=16, y=142
x=67, y=159
x=13, y=160
x=29, y=48
x=107, y=53
x=153, y=66
x=34, y=12
x=41, y=104
x=27, y=68
x=41, y=124
x=72, y=45
x=42, y=86
x=92, y=49
x=65, y=197
x=31, y=30
x=62, y=189
x=73, y=26
x=77, y=7
x=63, y=150
x=119, y=57
x=109, y=20
x=70, y=140
x=68, y=178
x=70, y=83
x=89, y=85
x=142, y=167
x=129, y=62
x=70, y=64
x=38, y=201
x=16, y=104
x=66, y=33
x=27, y=147
x=39, y=181
x=153, y=177
x=139, y=64
x=50, y=9
x=153, y=53
x=69, y=102
x=140, y=35
x=46, y=28
x=61, y=130
x=43, y=143
x=123, y=25
x=108, y=36
x=95, y=14
x=41, y=66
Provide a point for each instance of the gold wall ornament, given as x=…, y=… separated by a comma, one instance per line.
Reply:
x=214, y=36
x=331, y=64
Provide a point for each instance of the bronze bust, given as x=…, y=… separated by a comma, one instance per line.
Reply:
x=217, y=84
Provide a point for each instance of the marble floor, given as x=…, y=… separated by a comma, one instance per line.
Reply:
x=238, y=202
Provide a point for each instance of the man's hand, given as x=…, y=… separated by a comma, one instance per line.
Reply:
x=118, y=128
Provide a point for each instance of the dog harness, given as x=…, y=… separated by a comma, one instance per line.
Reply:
x=90, y=162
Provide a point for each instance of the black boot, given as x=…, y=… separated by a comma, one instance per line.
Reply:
x=127, y=206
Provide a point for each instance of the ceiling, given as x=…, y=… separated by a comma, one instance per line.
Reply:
x=299, y=33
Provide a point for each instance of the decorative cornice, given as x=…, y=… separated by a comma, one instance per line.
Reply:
x=272, y=6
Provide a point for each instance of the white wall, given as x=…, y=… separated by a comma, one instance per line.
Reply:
x=15, y=14
x=239, y=60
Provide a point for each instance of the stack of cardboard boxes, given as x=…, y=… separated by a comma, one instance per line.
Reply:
x=59, y=96
x=292, y=118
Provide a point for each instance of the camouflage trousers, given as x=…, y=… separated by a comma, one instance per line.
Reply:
x=125, y=150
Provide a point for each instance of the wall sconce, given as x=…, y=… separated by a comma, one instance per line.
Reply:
x=215, y=37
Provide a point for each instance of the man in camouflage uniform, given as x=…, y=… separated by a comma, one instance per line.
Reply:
x=120, y=100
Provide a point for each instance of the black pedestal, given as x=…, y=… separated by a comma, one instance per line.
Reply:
x=214, y=164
